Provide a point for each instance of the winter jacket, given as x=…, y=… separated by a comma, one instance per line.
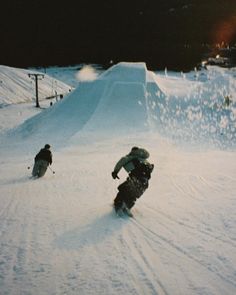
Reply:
x=44, y=154
x=127, y=162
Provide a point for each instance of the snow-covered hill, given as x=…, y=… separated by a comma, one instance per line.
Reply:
x=16, y=86
x=59, y=234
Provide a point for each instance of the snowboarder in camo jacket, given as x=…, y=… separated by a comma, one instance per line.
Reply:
x=139, y=170
x=41, y=161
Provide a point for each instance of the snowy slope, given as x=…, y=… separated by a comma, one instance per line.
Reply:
x=16, y=86
x=59, y=235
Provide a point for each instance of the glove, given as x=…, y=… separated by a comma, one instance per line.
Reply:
x=114, y=175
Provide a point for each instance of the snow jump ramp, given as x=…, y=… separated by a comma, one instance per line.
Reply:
x=122, y=99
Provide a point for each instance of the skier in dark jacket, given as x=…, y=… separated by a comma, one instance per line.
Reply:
x=41, y=161
x=139, y=170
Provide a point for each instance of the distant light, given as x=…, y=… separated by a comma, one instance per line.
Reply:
x=218, y=56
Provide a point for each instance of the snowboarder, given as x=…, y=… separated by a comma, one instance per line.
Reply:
x=139, y=170
x=41, y=161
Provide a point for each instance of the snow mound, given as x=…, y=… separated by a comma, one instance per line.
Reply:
x=122, y=99
x=17, y=87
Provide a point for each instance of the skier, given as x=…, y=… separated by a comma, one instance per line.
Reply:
x=41, y=161
x=139, y=170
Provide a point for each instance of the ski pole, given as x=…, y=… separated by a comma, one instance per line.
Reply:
x=51, y=170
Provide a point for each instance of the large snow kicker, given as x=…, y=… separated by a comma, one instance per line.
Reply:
x=122, y=99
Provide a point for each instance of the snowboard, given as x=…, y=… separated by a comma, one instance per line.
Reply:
x=33, y=177
x=124, y=212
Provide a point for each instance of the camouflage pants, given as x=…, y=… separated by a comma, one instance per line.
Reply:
x=40, y=168
x=129, y=192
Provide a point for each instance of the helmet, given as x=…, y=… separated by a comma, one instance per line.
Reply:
x=47, y=146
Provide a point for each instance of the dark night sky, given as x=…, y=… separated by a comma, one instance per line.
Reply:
x=155, y=31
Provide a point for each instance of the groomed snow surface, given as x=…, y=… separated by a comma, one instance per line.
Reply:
x=59, y=234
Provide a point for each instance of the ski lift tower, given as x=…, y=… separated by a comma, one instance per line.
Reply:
x=36, y=77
